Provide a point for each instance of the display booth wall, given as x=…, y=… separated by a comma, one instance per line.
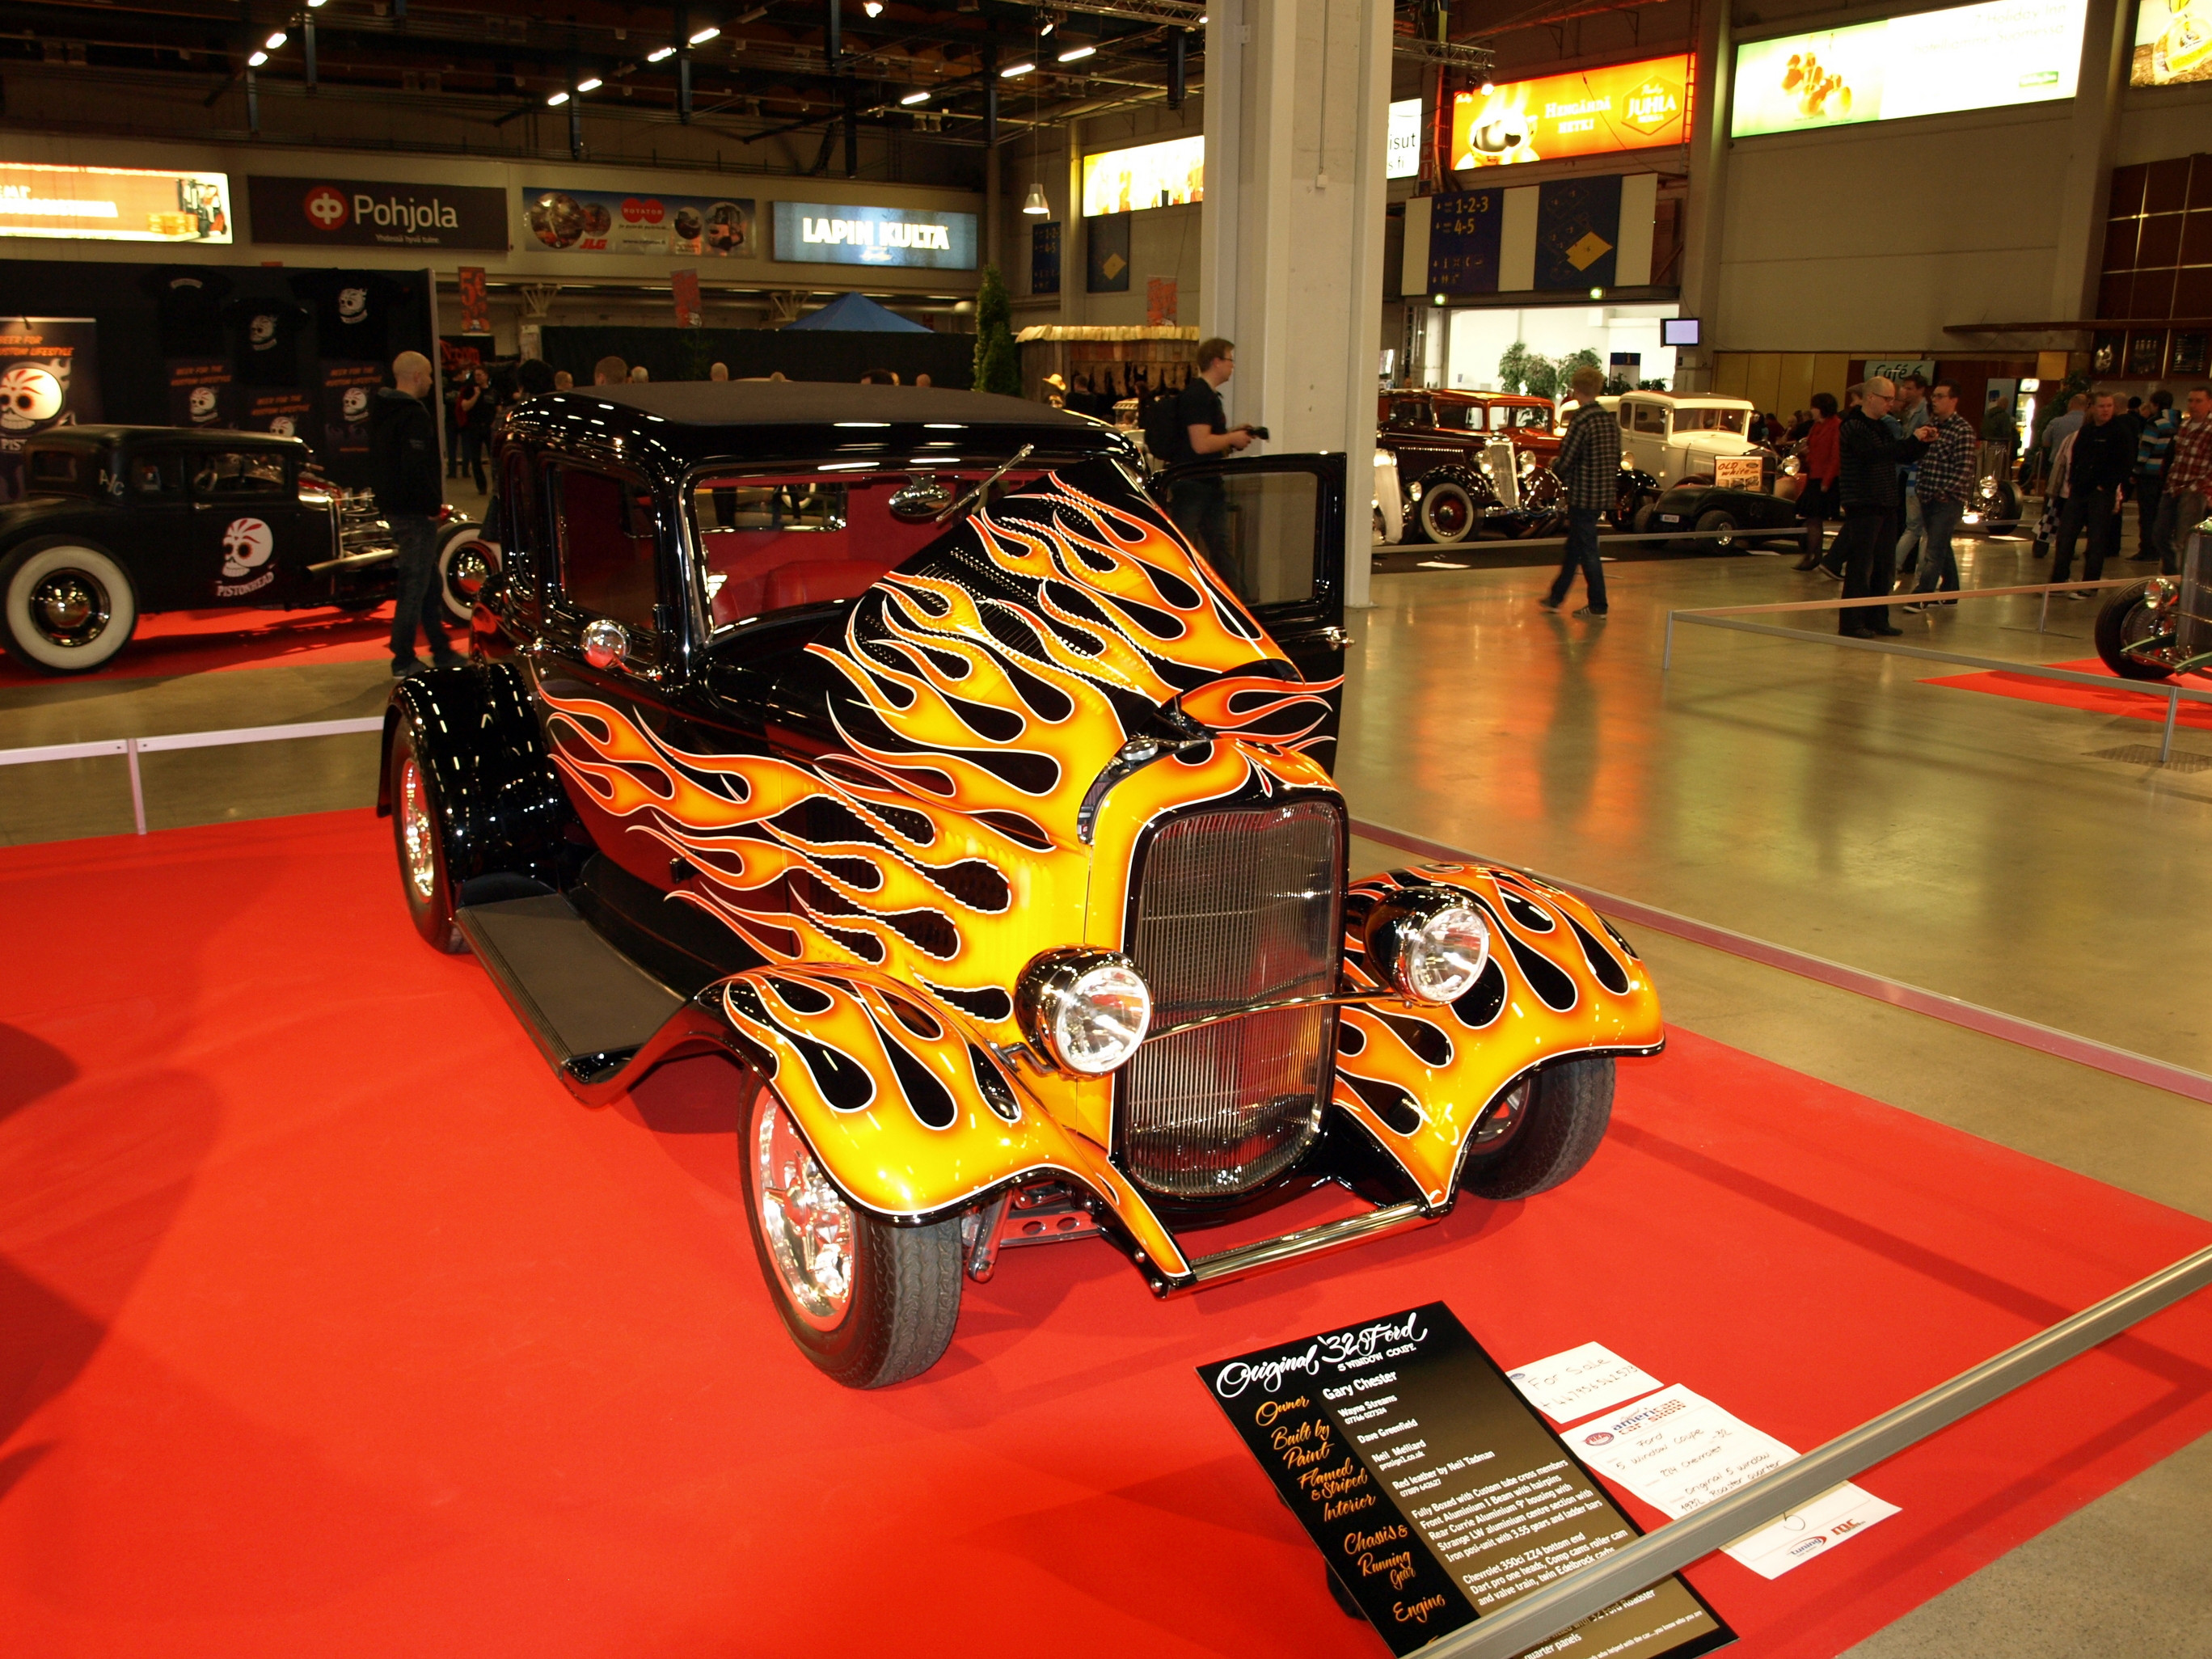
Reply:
x=686, y=354
x=252, y=347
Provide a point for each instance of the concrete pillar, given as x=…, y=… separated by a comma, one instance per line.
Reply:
x=1074, y=229
x=2093, y=139
x=1704, y=209
x=1290, y=243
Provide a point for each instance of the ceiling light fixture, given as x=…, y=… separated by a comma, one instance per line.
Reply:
x=656, y=56
x=873, y=7
x=1037, y=207
x=257, y=60
x=558, y=98
x=921, y=97
x=275, y=42
x=591, y=85
x=1489, y=85
x=704, y=36
x=1050, y=25
x=1014, y=70
x=1077, y=54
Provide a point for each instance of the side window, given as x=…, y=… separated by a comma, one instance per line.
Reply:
x=1650, y=418
x=517, y=530
x=238, y=476
x=157, y=476
x=609, y=547
x=1263, y=543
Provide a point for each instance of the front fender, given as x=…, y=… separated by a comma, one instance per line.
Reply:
x=909, y=1111
x=1419, y=1076
x=503, y=809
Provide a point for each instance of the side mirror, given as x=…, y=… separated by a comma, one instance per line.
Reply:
x=606, y=643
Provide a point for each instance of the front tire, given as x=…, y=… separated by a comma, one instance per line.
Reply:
x=1720, y=519
x=870, y=1304
x=462, y=553
x=1569, y=1108
x=2126, y=621
x=1446, y=514
x=68, y=607
x=418, y=836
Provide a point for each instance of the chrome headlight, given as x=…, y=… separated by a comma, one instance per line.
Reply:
x=2156, y=594
x=1430, y=943
x=1088, y=1009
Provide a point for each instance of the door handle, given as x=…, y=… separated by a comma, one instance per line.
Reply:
x=1336, y=636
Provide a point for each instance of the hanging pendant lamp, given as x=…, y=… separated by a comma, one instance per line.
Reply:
x=1036, y=206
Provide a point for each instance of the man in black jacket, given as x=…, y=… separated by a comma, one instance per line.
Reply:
x=2104, y=454
x=403, y=451
x=1867, y=487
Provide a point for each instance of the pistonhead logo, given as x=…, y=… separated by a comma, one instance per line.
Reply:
x=326, y=208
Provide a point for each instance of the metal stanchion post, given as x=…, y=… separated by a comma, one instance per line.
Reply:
x=137, y=789
x=2172, y=708
x=1666, y=657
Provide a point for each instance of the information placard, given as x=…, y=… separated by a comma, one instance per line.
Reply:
x=1434, y=1492
x=1738, y=471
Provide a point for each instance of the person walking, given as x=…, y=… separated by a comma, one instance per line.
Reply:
x=2188, y=481
x=1200, y=508
x=1910, y=416
x=1944, y=477
x=2103, y=453
x=1816, y=502
x=2152, y=447
x=403, y=454
x=479, y=408
x=1588, y=465
x=1867, y=487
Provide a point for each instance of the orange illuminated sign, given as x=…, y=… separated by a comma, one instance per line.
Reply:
x=1589, y=113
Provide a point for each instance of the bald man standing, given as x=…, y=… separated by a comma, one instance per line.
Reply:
x=403, y=467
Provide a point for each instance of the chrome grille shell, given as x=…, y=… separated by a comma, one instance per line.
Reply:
x=1233, y=907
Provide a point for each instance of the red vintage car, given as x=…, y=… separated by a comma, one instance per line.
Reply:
x=1471, y=461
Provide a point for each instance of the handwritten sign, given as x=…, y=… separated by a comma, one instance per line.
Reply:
x=1433, y=1492
x=1738, y=471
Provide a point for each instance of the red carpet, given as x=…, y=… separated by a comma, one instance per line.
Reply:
x=330, y=1325
x=2133, y=705
x=208, y=642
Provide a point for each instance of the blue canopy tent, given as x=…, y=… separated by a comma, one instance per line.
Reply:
x=856, y=314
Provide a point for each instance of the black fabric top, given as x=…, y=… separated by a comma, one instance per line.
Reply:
x=808, y=402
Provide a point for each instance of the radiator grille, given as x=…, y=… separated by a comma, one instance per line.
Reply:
x=1234, y=908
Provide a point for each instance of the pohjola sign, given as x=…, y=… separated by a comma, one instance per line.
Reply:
x=377, y=213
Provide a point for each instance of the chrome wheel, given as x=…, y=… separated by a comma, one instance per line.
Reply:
x=70, y=607
x=804, y=1221
x=418, y=851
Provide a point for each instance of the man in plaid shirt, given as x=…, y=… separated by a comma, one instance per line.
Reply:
x=2188, y=480
x=1946, y=478
x=1588, y=465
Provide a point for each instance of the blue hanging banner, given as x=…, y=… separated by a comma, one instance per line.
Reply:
x=1044, y=258
x=1464, y=232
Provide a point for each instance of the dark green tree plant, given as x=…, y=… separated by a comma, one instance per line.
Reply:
x=997, y=362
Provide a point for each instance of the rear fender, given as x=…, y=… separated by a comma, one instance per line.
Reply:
x=911, y=1112
x=504, y=812
x=1560, y=982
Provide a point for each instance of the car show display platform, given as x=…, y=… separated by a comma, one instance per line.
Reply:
x=330, y=1323
x=210, y=641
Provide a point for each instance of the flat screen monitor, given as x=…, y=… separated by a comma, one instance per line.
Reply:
x=1678, y=330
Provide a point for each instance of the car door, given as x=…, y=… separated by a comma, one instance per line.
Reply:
x=605, y=639
x=1282, y=519
x=155, y=533
x=251, y=539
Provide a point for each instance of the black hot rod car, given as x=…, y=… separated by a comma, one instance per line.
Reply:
x=894, y=744
x=119, y=521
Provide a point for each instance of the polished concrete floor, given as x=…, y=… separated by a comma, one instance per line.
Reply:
x=2022, y=856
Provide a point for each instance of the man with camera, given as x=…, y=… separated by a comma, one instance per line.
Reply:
x=1200, y=506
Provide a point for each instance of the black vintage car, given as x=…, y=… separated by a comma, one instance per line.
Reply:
x=894, y=744
x=118, y=521
x=1744, y=517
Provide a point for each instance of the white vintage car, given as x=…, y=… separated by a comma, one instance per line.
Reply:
x=1693, y=436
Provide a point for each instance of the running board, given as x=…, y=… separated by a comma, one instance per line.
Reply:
x=1248, y=1259
x=587, y=1007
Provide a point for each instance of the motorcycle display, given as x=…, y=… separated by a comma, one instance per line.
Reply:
x=2162, y=627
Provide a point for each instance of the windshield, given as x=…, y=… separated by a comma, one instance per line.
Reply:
x=1710, y=420
x=776, y=540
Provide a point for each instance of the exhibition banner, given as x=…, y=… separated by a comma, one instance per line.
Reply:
x=286, y=414
x=1165, y=175
x=683, y=290
x=617, y=221
x=349, y=390
x=113, y=204
x=376, y=213
x=1588, y=112
x=1106, y=255
x=822, y=233
x=49, y=377
x=1403, y=156
x=1044, y=258
x=2173, y=43
x=1578, y=232
x=200, y=392
x=1934, y=63
x=1435, y=1492
x=1466, y=232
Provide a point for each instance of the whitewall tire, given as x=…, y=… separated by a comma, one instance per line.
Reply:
x=69, y=607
